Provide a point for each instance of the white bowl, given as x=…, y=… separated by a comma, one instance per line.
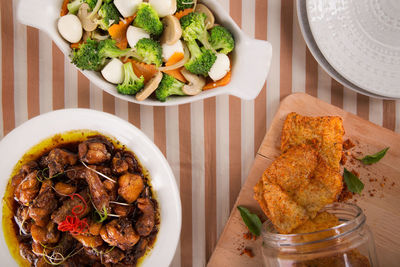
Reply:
x=251, y=59
x=22, y=138
x=319, y=57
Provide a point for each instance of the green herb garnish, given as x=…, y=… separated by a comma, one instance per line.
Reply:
x=41, y=176
x=103, y=216
x=251, y=220
x=54, y=257
x=353, y=183
x=374, y=158
x=100, y=253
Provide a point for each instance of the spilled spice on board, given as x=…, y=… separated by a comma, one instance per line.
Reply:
x=249, y=236
x=248, y=252
x=348, y=144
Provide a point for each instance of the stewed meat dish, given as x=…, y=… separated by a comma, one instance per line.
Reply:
x=85, y=202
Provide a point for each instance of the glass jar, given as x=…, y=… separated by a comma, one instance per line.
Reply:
x=349, y=244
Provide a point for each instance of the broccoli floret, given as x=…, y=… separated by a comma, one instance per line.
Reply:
x=184, y=4
x=194, y=27
x=221, y=39
x=87, y=56
x=109, y=15
x=92, y=55
x=74, y=5
x=167, y=87
x=132, y=84
x=147, y=19
x=149, y=51
x=201, y=59
x=91, y=3
x=108, y=49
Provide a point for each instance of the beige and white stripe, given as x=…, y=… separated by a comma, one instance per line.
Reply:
x=209, y=144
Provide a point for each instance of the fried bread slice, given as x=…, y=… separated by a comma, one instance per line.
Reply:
x=285, y=213
x=296, y=186
x=323, y=188
x=323, y=220
x=325, y=133
x=259, y=197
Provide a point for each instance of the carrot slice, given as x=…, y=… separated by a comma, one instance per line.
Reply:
x=224, y=81
x=176, y=73
x=76, y=45
x=184, y=12
x=118, y=32
x=140, y=68
x=64, y=8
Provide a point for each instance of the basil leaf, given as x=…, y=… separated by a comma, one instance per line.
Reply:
x=353, y=183
x=370, y=159
x=251, y=220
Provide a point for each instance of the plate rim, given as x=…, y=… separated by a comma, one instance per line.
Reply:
x=371, y=92
x=319, y=57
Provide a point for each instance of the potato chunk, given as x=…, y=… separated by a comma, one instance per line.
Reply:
x=130, y=186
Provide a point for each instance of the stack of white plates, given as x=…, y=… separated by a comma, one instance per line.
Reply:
x=356, y=41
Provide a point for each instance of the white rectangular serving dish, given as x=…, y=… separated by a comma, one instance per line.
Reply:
x=251, y=59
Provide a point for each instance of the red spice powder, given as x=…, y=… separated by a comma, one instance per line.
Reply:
x=356, y=173
x=348, y=144
x=343, y=160
x=249, y=236
x=248, y=252
x=345, y=194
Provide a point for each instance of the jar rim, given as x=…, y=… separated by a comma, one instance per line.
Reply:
x=342, y=229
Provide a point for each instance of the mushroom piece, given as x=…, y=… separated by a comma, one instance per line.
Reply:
x=150, y=87
x=172, y=30
x=200, y=8
x=86, y=35
x=83, y=15
x=196, y=83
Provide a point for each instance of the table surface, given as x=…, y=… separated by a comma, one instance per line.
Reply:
x=209, y=144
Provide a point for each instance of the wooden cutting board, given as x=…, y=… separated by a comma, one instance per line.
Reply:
x=382, y=206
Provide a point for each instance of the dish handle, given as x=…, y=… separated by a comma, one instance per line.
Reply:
x=38, y=13
x=254, y=60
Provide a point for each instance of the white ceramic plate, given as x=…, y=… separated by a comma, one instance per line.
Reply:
x=360, y=40
x=251, y=59
x=319, y=57
x=21, y=139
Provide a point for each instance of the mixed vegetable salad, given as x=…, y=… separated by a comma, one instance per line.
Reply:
x=156, y=48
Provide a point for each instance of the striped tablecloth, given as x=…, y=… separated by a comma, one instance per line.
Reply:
x=209, y=144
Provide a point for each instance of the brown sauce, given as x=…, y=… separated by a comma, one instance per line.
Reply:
x=70, y=141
